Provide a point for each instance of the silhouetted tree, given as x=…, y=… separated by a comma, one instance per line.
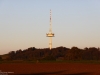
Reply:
x=74, y=53
x=0, y=58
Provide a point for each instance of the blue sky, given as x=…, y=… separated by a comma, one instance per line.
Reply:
x=24, y=23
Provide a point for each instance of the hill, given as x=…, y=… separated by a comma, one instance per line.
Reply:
x=59, y=53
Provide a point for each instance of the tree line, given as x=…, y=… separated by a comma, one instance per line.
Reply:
x=61, y=53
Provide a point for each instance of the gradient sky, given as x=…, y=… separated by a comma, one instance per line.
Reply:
x=24, y=23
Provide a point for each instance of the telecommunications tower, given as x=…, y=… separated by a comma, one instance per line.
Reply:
x=50, y=34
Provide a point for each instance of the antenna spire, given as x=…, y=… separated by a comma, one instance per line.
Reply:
x=50, y=22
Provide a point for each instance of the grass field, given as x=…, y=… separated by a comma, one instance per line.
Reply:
x=51, y=68
x=52, y=61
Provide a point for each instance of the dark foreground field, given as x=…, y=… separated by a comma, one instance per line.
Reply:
x=51, y=68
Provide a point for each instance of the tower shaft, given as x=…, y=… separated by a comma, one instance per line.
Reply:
x=50, y=42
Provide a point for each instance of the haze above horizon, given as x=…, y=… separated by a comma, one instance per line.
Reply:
x=24, y=23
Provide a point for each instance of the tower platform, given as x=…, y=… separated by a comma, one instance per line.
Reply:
x=50, y=34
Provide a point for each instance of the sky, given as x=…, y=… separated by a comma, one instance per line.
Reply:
x=24, y=24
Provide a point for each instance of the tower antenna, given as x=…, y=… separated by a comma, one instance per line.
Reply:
x=50, y=34
x=50, y=22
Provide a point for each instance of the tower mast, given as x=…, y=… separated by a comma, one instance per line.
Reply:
x=50, y=23
x=50, y=34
